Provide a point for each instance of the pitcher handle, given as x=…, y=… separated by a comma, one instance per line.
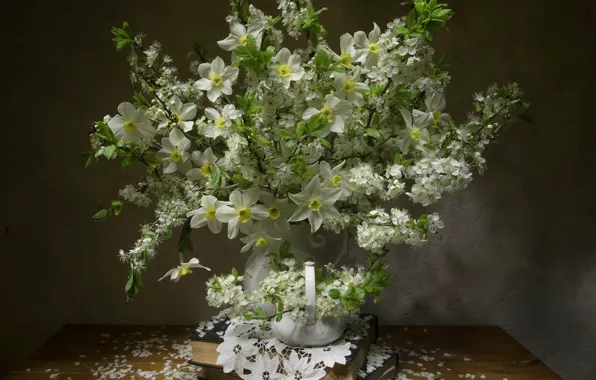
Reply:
x=310, y=291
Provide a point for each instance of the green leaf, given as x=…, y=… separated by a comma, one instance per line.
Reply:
x=335, y=294
x=110, y=152
x=215, y=175
x=325, y=143
x=101, y=215
x=117, y=207
x=235, y=272
x=278, y=317
x=91, y=160
x=372, y=133
x=300, y=129
x=285, y=134
x=238, y=179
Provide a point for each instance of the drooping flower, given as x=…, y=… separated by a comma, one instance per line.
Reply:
x=183, y=269
x=132, y=124
x=242, y=211
x=206, y=214
x=239, y=35
x=348, y=86
x=205, y=162
x=175, y=148
x=288, y=67
x=415, y=132
x=279, y=211
x=182, y=114
x=334, y=110
x=335, y=177
x=315, y=203
x=220, y=121
x=347, y=51
x=216, y=78
x=259, y=237
x=435, y=104
x=368, y=48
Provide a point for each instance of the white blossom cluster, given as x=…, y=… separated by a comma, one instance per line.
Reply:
x=321, y=135
x=286, y=284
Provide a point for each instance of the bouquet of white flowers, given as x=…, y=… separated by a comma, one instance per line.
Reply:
x=315, y=135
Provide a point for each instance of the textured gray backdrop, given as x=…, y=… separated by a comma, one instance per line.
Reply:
x=518, y=247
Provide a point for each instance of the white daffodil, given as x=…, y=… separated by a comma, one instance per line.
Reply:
x=279, y=211
x=220, y=122
x=259, y=237
x=367, y=48
x=435, y=104
x=184, y=269
x=335, y=177
x=347, y=51
x=315, y=203
x=288, y=68
x=206, y=214
x=335, y=111
x=349, y=87
x=415, y=133
x=205, y=162
x=243, y=212
x=216, y=78
x=132, y=124
x=175, y=148
x=239, y=35
x=182, y=114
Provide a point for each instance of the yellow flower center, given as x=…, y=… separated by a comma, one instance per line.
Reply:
x=210, y=215
x=274, y=213
x=437, y=116
x=261, y=242
x=244, y=214
x=327, y=112
x=284, y=71
x=176, y=118
x=175, y=156
x=206, y=170
x=415, y=134
x=184, y=271
x=220, y=122
x=349, y=85
x=243, y=40
x=346, y=60
x=308, y=174
x=216, y=79
x=374, y=48
x=315, y=204
x=336, y=180
x=130, y=127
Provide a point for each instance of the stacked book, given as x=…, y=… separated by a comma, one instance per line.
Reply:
x=367, y=361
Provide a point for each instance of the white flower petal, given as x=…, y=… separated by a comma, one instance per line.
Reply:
x=283, y=56
x=315, y=219
x=205, y=70
x=225, y=214
x=204, y=84
x=127, y=110
x=300, y=214
x=218, y=66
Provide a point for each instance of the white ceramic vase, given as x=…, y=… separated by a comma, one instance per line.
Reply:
x=315, y=331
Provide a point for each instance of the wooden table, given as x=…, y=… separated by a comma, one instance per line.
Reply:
x=87, y=352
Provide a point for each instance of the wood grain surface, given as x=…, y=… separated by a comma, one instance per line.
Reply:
x=432, y=352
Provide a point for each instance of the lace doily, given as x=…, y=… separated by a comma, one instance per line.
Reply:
x=251, y=350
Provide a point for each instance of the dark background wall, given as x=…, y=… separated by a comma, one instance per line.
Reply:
x=518, y=247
